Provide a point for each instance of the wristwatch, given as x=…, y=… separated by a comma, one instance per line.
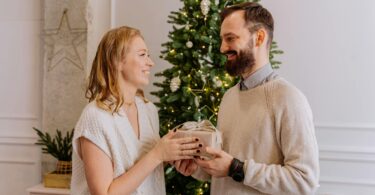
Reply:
x=236, y=170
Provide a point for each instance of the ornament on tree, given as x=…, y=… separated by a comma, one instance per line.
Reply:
x=196, y=101
x=217, y=82
x=175, y=84
x=203, y=78
x=205, y=7
x=189, y=44
x=187, y=26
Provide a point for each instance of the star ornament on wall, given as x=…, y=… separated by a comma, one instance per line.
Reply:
x=63, y=43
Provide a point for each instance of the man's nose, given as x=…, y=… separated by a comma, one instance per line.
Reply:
x=223, y=47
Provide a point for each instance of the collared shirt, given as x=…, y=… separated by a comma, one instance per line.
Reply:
x=259, y=77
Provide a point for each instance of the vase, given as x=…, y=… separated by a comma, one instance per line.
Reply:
x=64, y=167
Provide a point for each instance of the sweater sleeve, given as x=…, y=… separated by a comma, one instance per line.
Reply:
x=91, y=126
x=294, y=128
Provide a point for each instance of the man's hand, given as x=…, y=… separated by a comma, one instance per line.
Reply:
x=185, y=167
x=219, y=165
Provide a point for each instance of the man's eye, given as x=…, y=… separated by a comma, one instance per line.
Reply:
x=229, y=39
x=142, y=54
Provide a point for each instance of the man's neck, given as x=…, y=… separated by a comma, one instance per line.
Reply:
x=259, y=64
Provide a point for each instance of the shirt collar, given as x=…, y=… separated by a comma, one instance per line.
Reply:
x=257, y=78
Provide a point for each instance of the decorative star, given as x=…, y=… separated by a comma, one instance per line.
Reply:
x=63, y=42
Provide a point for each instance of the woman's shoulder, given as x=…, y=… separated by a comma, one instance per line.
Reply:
x=93, y=115
x=93, y=110
x=148, y=105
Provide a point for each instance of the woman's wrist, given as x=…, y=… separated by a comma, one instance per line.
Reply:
x=155, y=156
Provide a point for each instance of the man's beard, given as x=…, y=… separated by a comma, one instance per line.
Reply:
x=243, y=62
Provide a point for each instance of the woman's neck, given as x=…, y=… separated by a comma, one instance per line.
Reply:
x=128, y=92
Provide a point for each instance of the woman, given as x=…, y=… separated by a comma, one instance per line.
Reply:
x=117, y=148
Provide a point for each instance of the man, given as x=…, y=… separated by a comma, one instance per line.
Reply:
x=269, y=144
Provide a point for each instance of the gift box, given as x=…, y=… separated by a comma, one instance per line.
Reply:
x=204, y=130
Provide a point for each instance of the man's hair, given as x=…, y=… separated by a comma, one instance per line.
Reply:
x=256, y=17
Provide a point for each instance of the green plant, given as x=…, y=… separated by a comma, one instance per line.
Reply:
x=59, y=147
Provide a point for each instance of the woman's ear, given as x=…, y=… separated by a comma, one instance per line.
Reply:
x=120, y=64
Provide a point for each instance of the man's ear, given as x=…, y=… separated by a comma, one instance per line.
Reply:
x=260, y=37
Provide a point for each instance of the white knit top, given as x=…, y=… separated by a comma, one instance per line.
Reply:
x=114, y=135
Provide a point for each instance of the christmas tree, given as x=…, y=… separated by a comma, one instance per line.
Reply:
x=193, y=87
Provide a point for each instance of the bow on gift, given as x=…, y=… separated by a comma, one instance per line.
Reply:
x=204, y=125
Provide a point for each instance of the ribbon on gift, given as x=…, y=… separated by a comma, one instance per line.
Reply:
x=204, y=125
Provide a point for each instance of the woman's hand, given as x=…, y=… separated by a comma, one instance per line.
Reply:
x=169, y=149
x=185, y=167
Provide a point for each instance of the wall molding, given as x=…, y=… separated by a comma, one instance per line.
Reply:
x=17, y=161
x=347, y=154
x=7, y=140
x=346, y=126
x=342, y=181
x=346, y=159
x=18, y=117
x=346, y=149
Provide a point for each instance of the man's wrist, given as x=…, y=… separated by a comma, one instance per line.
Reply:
x=236, y=170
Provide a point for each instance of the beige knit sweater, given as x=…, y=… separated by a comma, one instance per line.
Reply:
x=270, y=127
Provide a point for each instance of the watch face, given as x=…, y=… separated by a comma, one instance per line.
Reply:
x=238, y=177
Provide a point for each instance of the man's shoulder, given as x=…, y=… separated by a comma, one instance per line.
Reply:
x=231, y=91
x=283, y=91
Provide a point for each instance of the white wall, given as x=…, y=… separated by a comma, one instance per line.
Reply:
x=329, y=53
x=20, y=88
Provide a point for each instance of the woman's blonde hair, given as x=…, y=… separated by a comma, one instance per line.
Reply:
x=103, y=86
